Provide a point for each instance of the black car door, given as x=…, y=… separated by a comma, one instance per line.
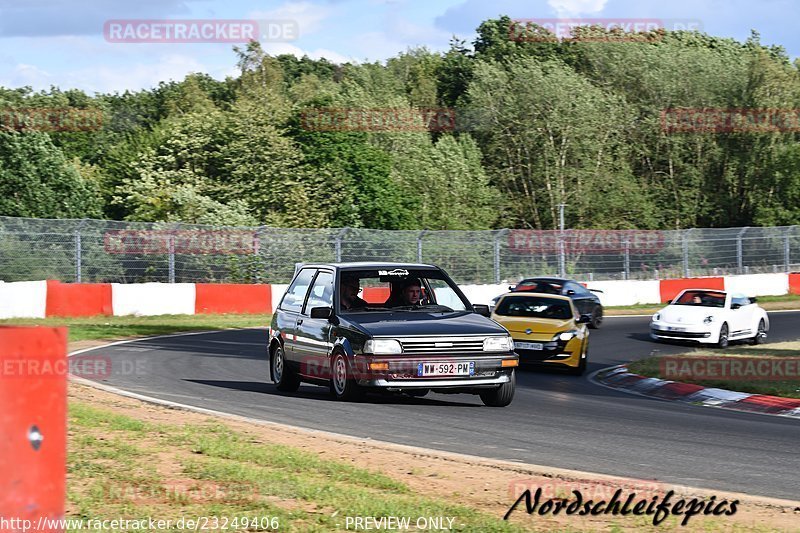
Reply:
x=312, y=343
x=290, y=308
x=582, y=298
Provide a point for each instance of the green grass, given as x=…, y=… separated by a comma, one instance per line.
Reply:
x=114, y=462
x=114, y=327
x=650, y=367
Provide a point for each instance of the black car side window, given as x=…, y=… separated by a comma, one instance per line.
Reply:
x=296, y=293
x=321, y=294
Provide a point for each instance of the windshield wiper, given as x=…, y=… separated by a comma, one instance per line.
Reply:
x=426, y=307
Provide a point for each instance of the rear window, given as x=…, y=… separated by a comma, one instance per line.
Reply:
x=534, y=307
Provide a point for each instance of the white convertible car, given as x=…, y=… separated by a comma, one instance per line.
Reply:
x=710, y=316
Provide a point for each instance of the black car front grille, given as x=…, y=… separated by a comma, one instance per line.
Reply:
x=443, y=345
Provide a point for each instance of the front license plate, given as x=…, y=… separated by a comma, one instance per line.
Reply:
x=670, y=328
x=529, y=345
x=464, y=368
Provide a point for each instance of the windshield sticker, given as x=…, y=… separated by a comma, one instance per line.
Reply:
x=395, y=272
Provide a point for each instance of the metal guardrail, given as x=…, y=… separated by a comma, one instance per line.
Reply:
x=127, y=252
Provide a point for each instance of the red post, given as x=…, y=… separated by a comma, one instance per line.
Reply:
x=33, y=427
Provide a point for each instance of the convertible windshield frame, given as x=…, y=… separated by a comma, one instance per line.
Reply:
x=707, y=298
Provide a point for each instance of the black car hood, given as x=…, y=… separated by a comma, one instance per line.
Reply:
x=407, y=323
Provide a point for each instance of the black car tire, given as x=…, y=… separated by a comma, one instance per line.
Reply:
x=761, y=333
x=343, y=387
x=723, y=336
x=285, y=379
x=597, y=317
x=416, y=393
x=500, y=396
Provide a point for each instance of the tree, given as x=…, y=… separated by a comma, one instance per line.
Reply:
x=36, y=180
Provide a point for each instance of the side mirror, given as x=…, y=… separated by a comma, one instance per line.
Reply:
x=584, y=319
x=736, y=306
x=511, y=287
x=482, y=309
x=570, y=292
x=753, y=300
x=321, y=312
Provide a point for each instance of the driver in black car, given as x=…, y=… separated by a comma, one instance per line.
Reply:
x=349, y=294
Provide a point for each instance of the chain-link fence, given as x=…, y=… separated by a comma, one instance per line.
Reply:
x=127, y=252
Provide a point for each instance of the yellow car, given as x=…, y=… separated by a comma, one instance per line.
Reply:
x=546, y=329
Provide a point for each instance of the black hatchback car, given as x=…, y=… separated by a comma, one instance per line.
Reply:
x=392, y=326
x=586, y=302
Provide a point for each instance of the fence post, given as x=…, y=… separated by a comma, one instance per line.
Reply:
x=419, y=245
x=497, y=236
x=786, y=250
x=686, y=253
x=339, y=237
x=627, y=259
x=257, y=252
x=171, y=259
x=78, y=252
x=739, y=258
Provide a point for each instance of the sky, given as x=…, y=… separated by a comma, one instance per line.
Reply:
x=73, y=44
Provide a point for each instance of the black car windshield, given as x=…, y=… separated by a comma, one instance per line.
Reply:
x=534, y=307
x=701, y=299
x=398, y=289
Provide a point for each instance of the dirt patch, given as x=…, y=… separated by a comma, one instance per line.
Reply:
x=487, y=485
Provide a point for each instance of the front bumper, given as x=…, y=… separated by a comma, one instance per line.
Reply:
x=402, y=372
x=558, y=353
x=684, y=332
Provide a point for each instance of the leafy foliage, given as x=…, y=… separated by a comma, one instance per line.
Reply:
x=538, y=122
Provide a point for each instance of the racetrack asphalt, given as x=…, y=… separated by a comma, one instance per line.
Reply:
x=555, y=420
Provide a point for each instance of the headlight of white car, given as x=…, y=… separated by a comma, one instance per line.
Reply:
x=657, y=317
x=382, y=346
x=708, y=320
x=498, y=344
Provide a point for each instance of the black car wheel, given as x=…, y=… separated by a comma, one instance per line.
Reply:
x=343, y=387
x=500, y=396
x=285, y=379
x=761, y=334
x=597, y=317
x=723, y=336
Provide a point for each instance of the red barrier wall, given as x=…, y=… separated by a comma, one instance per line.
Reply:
x=33, y=396
x=232, y=298
x=78, y=299
x=794, y=283
x=671, y=287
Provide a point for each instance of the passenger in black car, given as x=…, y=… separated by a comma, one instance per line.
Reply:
x=406, y=292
